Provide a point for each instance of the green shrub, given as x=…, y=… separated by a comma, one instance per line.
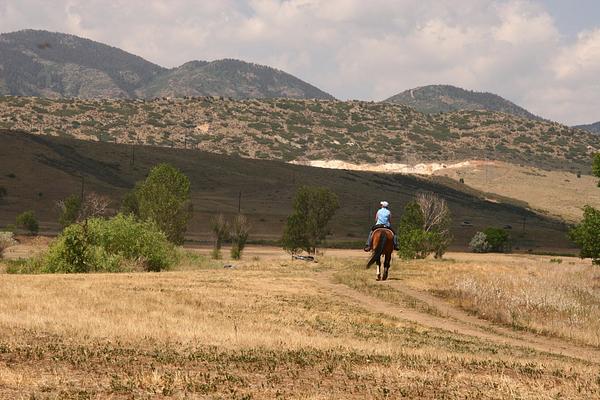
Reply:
x=106, y=245
x=71, y=252
x=142, y=242
x=498, y=240
x=587, y=234
x=28, y=221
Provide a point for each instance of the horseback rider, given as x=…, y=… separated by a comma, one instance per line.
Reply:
x=383, y=219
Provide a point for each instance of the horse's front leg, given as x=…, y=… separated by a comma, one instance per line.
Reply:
x=379, y=269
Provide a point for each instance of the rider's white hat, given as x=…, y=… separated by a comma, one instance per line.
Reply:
x=384, y=203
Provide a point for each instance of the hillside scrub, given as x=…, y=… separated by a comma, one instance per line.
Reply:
x=284, y=129
x=105, y=245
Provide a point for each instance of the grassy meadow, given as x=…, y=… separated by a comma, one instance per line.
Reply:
x=275, y=328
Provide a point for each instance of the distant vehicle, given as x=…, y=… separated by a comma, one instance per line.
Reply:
x=507, y=226
x=466, y=223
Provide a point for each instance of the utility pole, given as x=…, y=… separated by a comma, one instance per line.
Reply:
x=240, y=202
x=82, y=186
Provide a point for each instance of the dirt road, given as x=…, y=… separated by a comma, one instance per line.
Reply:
x=449, y=318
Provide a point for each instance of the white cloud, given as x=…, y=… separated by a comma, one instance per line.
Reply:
x=353, y=48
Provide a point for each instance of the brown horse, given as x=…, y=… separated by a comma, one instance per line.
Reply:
x=382, y=243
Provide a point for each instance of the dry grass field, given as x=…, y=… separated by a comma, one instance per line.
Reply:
x=557, y=193
x=273, y=328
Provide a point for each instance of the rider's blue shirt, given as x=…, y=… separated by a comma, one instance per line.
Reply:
x=383, y=217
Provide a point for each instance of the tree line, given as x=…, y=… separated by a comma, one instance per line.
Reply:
x=154, y=216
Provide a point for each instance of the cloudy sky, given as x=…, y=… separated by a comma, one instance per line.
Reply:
x=541, y=54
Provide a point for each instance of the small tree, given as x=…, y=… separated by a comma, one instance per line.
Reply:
x=220, y=229
x=239, y=231
x=479, y=243
x=587, y=234
x=596, y=167
x=498, y=240
x=73, y=210
x=308, y=226
x=69, y=209
x=164, y=197
x=6, y=240
x=436, y=222
x=28, y=221
x=424, y=227
x=130, y=204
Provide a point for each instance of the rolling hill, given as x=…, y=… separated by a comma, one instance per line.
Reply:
x=40, y=63
x=446, y=98
x=230, y=78
x=47, y=64
x=308, y=130
x=593, y=128
x=39, y=170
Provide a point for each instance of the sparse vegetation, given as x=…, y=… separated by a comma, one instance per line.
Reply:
x=307, y=227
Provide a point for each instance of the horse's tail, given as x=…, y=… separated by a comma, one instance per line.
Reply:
x=380, y=246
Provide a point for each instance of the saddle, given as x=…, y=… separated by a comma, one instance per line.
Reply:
x=379, y=226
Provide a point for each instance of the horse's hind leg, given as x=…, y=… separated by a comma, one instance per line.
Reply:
x=378, y=270
x=386, y=266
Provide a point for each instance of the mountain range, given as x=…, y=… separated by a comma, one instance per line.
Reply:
x=446, y=98
x=47, y=64
x=593, y=128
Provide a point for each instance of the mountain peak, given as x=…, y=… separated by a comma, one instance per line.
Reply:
x=446, y=98
x=52, y=64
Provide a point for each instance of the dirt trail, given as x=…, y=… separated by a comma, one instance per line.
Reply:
x=459, y=322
